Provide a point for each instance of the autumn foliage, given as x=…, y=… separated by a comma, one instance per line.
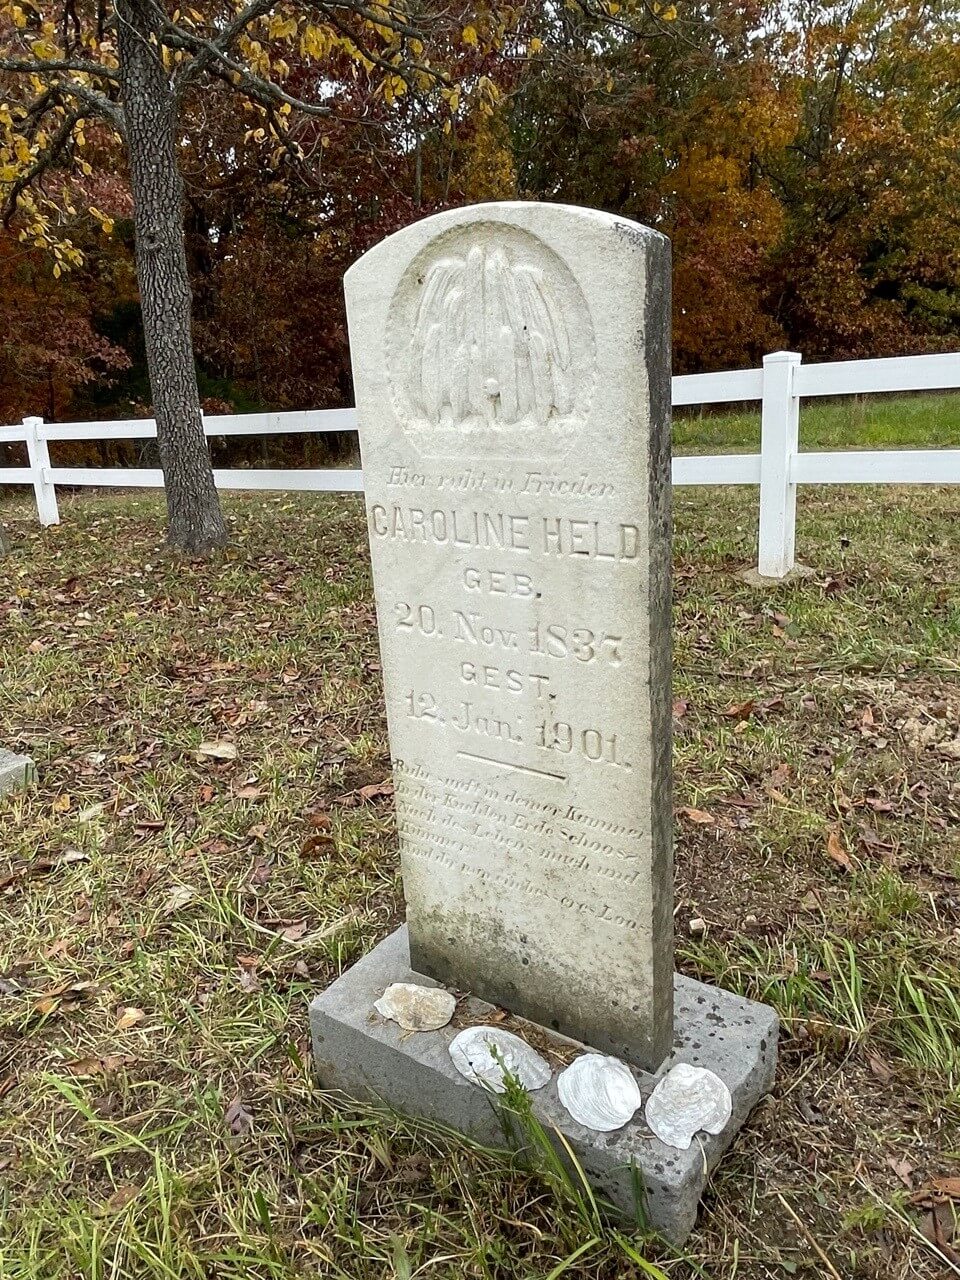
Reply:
x=805, y=161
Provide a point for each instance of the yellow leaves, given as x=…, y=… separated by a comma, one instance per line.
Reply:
x=44, y=49
x=281, y=28
x=315, y=42
x=536, y=44
x=18, y=16
x=666, y=13
x=106, y=223
x=469, y=35
x=394, y=87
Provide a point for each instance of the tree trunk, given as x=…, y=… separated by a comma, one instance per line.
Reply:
x=196, y=523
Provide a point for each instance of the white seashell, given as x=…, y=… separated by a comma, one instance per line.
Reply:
x=599, y=1092
x=685, y=1101
x=482, y=1054
x=416, y=1008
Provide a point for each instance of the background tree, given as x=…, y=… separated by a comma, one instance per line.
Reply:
x=134, y=65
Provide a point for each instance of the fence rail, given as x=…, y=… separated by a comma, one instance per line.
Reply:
x=778, y=468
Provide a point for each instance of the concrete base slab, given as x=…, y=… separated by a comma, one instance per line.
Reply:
x=15, y=771
x=359, y=1052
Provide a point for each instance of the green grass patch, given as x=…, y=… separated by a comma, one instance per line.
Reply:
x=918, y=421
x=166, y=915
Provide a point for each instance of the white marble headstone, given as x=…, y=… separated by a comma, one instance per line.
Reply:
x=512, y=374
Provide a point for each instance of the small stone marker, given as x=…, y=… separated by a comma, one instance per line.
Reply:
x=15, y=771
x=512, y=375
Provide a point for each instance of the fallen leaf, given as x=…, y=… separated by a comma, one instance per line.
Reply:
x=65, y=994
x=779, y=777
x=218, y=750
x=123, y=1195
x=319, y=819
x=377, y=790
x=250, y=793
x=699, y=816
x=248, y=981
x=740, y=710
x=317, y=845
x=293, y=932
x=261, y=872
x=880, y=1069
x=61, y=804
x=129, y=1017
x=177, y=898
x=237, y=1117
x=836, y=851
x=680, y=708
x=94, y=1066
x=949, y=1187
x=903, y=1169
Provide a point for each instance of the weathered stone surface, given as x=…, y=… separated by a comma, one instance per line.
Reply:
x=512, y=374
x=15, y=771
x=370, y=1058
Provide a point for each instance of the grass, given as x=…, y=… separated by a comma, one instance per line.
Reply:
x=922, y=421
x=166, y=914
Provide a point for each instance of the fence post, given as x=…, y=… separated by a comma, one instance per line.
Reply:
x=39, y=456
x=779, y=441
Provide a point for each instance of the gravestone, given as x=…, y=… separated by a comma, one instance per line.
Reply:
x=512, y=375
x=15, y=771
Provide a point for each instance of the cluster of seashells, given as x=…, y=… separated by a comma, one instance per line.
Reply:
x=599, y=1092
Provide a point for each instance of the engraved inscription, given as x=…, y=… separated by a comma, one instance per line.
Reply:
x=449, y=821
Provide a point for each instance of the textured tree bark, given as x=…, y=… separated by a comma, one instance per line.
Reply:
x=196, y=523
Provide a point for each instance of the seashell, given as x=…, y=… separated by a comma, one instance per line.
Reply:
x=416, y=1008
x=685, y=1101
x=599, y=1092
x=482, y=1054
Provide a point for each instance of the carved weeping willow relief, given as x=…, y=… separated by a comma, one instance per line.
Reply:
x=495, y=342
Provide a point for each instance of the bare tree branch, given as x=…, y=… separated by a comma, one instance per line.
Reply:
x=97, y=103
x=221, y=43
x=44, y=66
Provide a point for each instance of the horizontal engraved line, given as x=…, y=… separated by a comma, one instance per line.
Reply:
x=518, y=768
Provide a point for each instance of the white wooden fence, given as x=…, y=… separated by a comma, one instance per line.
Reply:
x=780, y=386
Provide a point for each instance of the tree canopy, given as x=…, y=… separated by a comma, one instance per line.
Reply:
x=803, y=158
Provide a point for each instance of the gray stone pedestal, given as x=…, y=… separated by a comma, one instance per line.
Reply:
x=15, y=771
x=367, y=1057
